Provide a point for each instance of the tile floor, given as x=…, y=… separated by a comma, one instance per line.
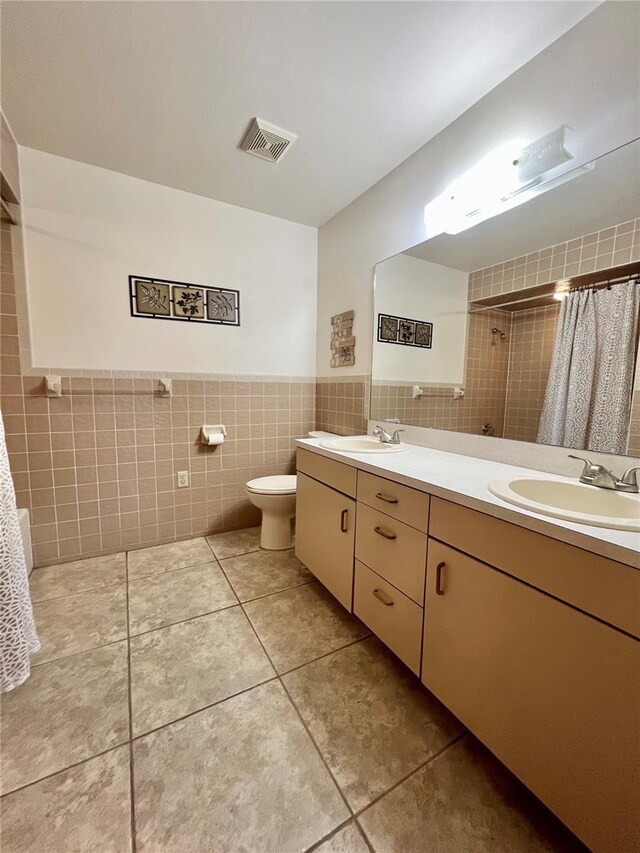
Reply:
x=209, y=696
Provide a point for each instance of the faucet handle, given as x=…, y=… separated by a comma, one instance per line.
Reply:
x=588, y=465
x=396, y=435
x=630, y=477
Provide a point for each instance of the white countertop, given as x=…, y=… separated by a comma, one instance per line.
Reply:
x=465, y=479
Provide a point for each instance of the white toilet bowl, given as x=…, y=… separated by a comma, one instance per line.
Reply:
x=276, y=497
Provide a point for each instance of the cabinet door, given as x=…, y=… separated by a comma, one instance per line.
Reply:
x=325, y=535
x=551, y=691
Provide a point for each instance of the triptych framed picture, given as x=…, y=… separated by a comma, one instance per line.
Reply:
x=161, y=299
x=402, y=330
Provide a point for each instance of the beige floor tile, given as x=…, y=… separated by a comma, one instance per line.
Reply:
x=235, y=542
x=77, y=622
x=83, y=809
x=164, y=558
x=464, y=800
x=86, y=808
x=264, y=572
x=67, y=711
x=244, y=773
x=79, y=576
x=371, y=718
x=170, y=597
x=301, y=624
x=185, y=667
x=346, y=840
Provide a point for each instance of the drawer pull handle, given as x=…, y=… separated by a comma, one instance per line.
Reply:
x=343, y=520
x=388, y=500
x=384, y=533
x=439, y=568
x=383, y=597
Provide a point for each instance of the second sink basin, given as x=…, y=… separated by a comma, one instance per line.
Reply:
x=361, y=444
x=571, y=501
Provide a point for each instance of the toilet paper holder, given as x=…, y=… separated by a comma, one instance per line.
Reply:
x=212, y=434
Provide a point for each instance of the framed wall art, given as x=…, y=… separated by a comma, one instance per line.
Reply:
x=161, y=299
x=403, y=331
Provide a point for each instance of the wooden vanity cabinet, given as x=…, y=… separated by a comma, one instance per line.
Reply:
x=530, y=641
x=326, y=523
x=552, y=692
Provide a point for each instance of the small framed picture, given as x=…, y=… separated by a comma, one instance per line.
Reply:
x=387, y=328
x=188, y=302
x=407, y=332
x=424, y=333
x=222, y=306
x=151, y=298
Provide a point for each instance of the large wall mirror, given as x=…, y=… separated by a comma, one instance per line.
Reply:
x=524, y=326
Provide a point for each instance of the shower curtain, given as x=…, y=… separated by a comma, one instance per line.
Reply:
x=18, y=640
x=588, y=396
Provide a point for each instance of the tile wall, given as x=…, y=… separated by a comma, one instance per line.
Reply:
x=96, y=467
x=613, y=246
x=342, y=404
x=531, y=347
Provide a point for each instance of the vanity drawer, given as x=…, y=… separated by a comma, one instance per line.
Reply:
x=394, y=550
x=604, y=588
x=401, y=502
x=335, y=474
x=391, y=615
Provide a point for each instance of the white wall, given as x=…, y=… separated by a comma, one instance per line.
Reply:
x=410, y=287
x=587, y=79
x=87, y=229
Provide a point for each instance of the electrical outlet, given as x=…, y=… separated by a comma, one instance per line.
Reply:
x=183, y=479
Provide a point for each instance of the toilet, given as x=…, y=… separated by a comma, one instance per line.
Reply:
x=276, y=497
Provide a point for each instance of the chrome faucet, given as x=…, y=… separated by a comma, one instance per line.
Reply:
x=598, y=475
x=384, y=436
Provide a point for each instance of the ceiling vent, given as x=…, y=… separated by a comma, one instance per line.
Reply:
x=267, y=141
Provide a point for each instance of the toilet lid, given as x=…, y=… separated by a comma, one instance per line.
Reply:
x=284, y=484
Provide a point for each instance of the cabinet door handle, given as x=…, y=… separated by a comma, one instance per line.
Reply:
x=383, y=597
x=439, y=568
x=388, y=500
x=343, y=520
x=384, y=533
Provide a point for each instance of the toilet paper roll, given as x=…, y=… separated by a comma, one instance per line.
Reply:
x=215, y=438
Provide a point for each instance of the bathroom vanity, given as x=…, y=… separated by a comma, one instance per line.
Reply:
x=526, y=629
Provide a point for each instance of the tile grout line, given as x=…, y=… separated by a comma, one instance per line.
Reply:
x=79, y=652
x=132, y=804
x=81, y=592
x=417, y=769
x=326, y=654
x=295, y=708
x=64, y=769
x=204, y=708
x=317, y=844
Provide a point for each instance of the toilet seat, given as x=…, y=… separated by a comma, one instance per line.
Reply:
x=283, y=484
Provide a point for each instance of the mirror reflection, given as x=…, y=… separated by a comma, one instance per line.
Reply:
x=524, y=326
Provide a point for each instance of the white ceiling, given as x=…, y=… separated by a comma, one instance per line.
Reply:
x=165, y=90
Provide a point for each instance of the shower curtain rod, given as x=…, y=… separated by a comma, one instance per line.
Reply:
x=625, y=279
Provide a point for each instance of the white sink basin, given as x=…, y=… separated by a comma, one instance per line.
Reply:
x=361, y=444
x=571, y=501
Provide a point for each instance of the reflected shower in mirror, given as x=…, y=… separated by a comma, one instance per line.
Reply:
x=525, y=326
